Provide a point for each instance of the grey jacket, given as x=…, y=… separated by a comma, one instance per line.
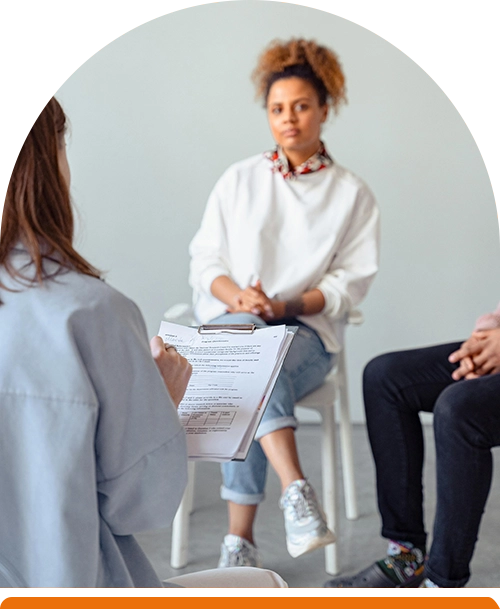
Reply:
x=91, y=448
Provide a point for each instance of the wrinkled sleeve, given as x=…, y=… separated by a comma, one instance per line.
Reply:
x=355, y=264
x=208, y=249
x=141, y=461
x=489, y=321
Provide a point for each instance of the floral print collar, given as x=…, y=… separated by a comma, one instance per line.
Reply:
x=319, y=160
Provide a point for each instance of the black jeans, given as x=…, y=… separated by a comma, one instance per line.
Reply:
x=466, y=426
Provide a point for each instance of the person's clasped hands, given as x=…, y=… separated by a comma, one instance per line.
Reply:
x=478, y=355
x=254, y=300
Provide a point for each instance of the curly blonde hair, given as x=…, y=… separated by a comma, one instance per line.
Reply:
x=305, y=59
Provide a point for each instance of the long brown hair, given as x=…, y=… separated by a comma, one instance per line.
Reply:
x=37, y=211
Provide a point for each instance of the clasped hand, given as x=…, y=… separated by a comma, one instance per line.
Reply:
x=478, y=355
x=253, y=300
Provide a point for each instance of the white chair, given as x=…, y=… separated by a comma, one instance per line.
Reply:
x=322, y=400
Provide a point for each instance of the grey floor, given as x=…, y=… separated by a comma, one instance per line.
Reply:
x=359, y=541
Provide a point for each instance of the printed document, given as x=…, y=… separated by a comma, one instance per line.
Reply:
x=233, y=377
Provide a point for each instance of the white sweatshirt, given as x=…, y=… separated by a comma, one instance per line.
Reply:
x=319, y=230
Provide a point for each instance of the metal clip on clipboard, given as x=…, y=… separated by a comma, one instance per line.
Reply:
x=227, y=329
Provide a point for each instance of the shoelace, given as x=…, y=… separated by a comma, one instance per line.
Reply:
x=300, y=501
x=239, y=553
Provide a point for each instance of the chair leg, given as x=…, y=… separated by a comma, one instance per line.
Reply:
x=329, y=458
x=180, y=526
x=190, y=486
x=351, y=507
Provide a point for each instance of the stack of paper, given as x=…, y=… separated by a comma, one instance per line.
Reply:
x=233, y=377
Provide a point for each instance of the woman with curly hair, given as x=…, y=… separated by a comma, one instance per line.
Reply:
x=288, y=236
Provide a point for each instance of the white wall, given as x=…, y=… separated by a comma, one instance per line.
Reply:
x=159, y=114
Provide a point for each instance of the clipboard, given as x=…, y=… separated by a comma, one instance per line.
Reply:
x=234, y=374
x=247, y=441
x=227, y=328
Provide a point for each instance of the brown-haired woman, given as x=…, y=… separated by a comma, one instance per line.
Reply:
x=287, y=237
x=91, y=447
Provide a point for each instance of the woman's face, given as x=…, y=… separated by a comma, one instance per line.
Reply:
x=295, y=116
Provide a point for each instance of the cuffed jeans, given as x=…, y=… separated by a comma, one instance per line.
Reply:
x=306, y=366
x=466, y=426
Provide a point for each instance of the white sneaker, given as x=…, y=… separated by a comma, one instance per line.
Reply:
x=305, y=521
x=238, y=552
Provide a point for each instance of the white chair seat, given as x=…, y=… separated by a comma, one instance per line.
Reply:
x=322, y=397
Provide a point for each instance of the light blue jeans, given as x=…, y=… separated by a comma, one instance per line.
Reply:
x=304, y=370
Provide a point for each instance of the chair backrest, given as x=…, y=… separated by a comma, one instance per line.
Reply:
x=180, y=313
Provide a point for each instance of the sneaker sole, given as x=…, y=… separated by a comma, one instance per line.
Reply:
x=314, y=544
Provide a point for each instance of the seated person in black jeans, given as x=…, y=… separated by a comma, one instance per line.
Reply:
x=460, y=384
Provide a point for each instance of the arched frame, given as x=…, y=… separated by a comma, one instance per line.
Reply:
x=41, y=44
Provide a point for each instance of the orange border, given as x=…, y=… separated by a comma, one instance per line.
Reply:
x=42, y=42
x=247, y=598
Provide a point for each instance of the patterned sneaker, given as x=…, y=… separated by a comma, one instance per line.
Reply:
x=238, y=552
x=403, y=567
x=305, y=521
